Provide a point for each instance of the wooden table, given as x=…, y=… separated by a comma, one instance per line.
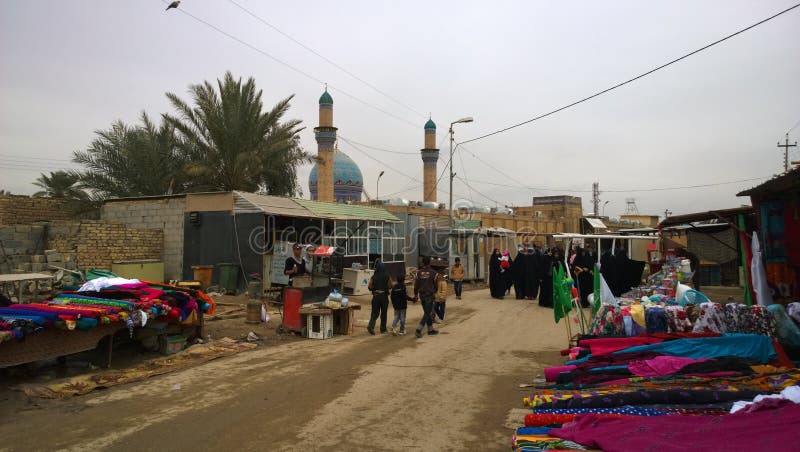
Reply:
x=54, y=343
x=19, y=279
x=343, y=318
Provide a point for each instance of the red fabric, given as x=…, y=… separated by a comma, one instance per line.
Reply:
x=791, y=230
x=770, y=430
x=605, y=346
x=783, y=359
x=682, y=335
x=551, y=373
x=545, y=419
x=660, y=365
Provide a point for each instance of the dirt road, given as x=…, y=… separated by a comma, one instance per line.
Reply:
x=447, y=392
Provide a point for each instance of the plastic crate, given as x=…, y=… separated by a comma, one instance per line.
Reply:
x=319, y=326
x=171, y=344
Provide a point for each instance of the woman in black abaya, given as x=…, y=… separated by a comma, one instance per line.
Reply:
x=497, y=286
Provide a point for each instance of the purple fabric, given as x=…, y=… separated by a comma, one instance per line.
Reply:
x=551, y=373
x=660, y=365
x=771, y=429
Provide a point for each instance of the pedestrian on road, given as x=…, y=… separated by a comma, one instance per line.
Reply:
x=457, y=276
x=400, y=299
x=518, y=269
x=440, y=299
x=496, y=287
x=380, y=284
x=424, y=290
x=506, y=265
x=533, y=272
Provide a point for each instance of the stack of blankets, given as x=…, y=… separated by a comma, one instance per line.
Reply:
x=129, y=302
x=704, y=391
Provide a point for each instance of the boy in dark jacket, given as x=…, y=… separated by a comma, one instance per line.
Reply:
x=400, y=299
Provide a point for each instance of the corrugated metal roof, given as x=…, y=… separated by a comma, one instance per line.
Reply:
x=244, y=202
x=338, y=211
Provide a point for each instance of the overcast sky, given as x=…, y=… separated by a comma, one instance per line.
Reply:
x=71, y=67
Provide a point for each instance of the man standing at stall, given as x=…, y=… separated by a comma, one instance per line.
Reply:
x=295, y=264
x=424, y=289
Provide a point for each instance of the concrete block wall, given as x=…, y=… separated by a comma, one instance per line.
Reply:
x=16, y=209
x=97, y=244
x=165, y=214
x=18, y=243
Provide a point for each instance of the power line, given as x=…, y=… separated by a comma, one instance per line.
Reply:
x=25, y=157
x=332, y=63
x=793, y=127
x=599, y=93
x=685, y=187
x=375, y=148
x=293, y=68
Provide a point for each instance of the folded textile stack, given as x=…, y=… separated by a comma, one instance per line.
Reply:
x=672, y=385
x=116, y=300
x=708, y=317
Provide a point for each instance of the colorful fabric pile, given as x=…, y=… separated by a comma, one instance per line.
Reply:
x=706, y=317
x=668, y=391
x=129, y=302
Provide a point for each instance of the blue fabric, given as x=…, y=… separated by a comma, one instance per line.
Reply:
x=625, y=409
x=577, y=361
x=787, y=331
x=752, y=346
x=603, y=369
x=11, y=312
x=533, y=430
x=656, y=320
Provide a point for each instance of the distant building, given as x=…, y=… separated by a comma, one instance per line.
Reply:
x=566, y=209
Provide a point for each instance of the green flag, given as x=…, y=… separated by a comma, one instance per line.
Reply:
x=596, y=305
x=562, y=302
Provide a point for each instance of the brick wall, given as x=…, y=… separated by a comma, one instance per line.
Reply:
x=165, y=214
x=97, y=244
x=15, y=209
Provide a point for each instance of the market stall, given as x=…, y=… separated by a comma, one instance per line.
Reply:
x=660, y=363
x=74, y=321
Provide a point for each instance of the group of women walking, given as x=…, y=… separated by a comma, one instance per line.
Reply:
x=530, y=273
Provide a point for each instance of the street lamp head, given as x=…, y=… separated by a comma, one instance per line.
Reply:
x=466, y=119
x=381, y=174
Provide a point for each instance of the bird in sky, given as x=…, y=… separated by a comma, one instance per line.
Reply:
x=173, y=5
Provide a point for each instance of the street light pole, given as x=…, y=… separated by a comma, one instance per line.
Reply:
x=452, y=175
x=377, y=187
x=604, y=207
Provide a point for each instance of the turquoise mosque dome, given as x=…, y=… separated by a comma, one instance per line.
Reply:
x=430, y=124
x=348, y=183
x=326, y=98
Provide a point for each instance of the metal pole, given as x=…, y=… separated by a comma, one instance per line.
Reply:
x=450, y=205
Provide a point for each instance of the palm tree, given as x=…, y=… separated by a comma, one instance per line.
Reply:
x=126, y=161
x=232, y=144
x=59, y=184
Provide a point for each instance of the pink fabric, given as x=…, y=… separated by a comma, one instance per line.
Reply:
x=769, y=430
x=660, y=365
x=550, y=373
x=605, y=346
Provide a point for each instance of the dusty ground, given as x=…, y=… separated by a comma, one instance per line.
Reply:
x=447, y=392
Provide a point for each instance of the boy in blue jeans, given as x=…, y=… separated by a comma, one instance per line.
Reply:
x=400, y=299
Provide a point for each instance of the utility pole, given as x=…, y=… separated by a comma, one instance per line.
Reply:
x=786, y=147
x=596, y=198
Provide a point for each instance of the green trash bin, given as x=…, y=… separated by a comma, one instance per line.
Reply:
x=229, y=278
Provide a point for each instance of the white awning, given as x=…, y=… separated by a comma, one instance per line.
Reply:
x=596, y=223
